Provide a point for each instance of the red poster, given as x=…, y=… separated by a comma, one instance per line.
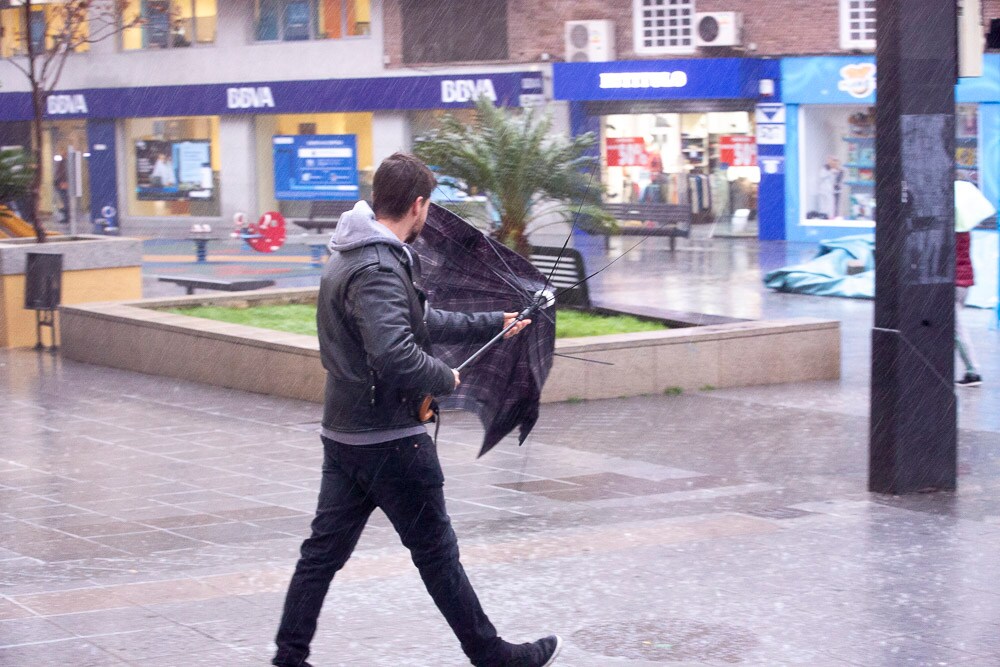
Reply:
x=627, y=152
x=738, y=150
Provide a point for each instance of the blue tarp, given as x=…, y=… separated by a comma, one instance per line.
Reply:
x=826, y=274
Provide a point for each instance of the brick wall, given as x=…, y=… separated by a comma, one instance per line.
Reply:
x=776, y=27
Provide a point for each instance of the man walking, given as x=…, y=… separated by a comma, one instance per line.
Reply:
x=375, y=332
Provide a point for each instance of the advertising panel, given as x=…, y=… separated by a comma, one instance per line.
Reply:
x=316, y=167
x=171, y=170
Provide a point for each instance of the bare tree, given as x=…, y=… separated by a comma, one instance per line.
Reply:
x=69, y=26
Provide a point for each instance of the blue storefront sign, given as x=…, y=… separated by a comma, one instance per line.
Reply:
x=316, y=167
x=690, y=79
x=324, y=96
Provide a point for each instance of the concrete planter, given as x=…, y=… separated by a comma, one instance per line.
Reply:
x=95, y=268
x=138, y=337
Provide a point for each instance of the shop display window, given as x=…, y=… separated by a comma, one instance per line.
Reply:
x=172, y=166
x=837, y=162
x=57, y=139
x=297, y=20
x=168, y=24
x=663, y=157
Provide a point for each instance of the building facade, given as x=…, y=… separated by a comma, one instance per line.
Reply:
x=212, y=107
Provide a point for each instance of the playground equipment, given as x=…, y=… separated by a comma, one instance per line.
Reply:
x=12, y=226
x=267, y=234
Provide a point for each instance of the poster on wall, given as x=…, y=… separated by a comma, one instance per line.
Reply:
x=737, y=150
x=316, y=167
x=626, y=152
x=172, y=170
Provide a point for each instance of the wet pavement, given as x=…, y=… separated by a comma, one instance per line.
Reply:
x=146, y=521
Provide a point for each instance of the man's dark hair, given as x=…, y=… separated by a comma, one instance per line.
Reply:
x=399, y=180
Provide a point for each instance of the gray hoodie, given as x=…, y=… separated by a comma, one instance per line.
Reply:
x=358, y=227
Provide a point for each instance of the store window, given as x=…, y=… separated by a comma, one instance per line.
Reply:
x=357, y=127
x=46, y=20
x=663, y=26
x=57, y=140
x=837, y=158
x=665, y=157
x=857, y=24
x=172, y=166
x=295, y=20
x=169, y=24
x=443, y=31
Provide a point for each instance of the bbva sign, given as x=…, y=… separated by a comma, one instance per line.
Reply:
x=57, y=105
x=466, y=90
x=249, y=98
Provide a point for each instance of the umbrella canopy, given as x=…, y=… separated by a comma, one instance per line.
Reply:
x=461, y=269
x=971, y=206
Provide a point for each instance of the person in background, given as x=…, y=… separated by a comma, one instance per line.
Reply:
x=964, y=279
x=971, y=208
x=61, y=181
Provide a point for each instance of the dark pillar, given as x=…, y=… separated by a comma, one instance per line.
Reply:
x=913, y=429
x=103, y=171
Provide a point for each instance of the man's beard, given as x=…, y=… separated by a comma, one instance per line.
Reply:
x=414, y=233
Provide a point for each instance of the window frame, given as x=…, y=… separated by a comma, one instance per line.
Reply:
x=847, y=43
x=191, y=37
x=314, y=23
x=17, y=44
x=638, y=34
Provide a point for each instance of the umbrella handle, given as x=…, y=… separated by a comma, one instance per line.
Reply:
x=424, y=412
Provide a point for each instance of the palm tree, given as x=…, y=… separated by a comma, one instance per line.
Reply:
x=523, y=171
x=16, y=174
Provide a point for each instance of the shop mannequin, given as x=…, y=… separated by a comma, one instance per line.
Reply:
x=828, y=189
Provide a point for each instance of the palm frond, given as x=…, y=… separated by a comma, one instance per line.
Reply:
x=514, y=160
x=16, y=173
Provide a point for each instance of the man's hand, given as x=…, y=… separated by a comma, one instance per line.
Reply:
x=510, y=317
x=458, y=380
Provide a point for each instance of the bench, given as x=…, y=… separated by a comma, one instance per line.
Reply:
x=193, y=282
x=323, y=215
x=567, y=269
x=648, y=219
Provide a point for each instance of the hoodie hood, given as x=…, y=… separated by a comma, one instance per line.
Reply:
x=358, y=227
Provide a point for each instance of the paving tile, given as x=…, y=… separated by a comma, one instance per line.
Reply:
x=76, y=652
x=9, y=610
x=150, y=542
x=30, y=630
x=682, y=510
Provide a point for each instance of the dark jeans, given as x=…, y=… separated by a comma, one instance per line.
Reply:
x=402, y=477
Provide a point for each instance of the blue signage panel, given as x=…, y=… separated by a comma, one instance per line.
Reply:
x=321, y=166
x=695, y=78
x=328, y=95
x=828, y=80
x=852, y=80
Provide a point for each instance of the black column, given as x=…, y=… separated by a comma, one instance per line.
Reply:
x=913, y=428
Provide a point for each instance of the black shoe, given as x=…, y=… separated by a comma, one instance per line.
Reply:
x=541, y=653
x=970, y=380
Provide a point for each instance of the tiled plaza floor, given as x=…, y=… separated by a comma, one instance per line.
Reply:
x=150, y=522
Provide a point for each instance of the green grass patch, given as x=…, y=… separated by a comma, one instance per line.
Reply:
x=297, y=318
x=673, y=391
x=301, y=319
x=577, y=324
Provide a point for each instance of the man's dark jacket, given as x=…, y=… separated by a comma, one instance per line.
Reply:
x=376, y=330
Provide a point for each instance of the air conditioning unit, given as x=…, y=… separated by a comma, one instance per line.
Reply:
x=718, y=29
x=590, y=41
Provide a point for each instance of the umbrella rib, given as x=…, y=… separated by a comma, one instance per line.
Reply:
x=517, y=288
x=572, y=225
x=580, y=282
